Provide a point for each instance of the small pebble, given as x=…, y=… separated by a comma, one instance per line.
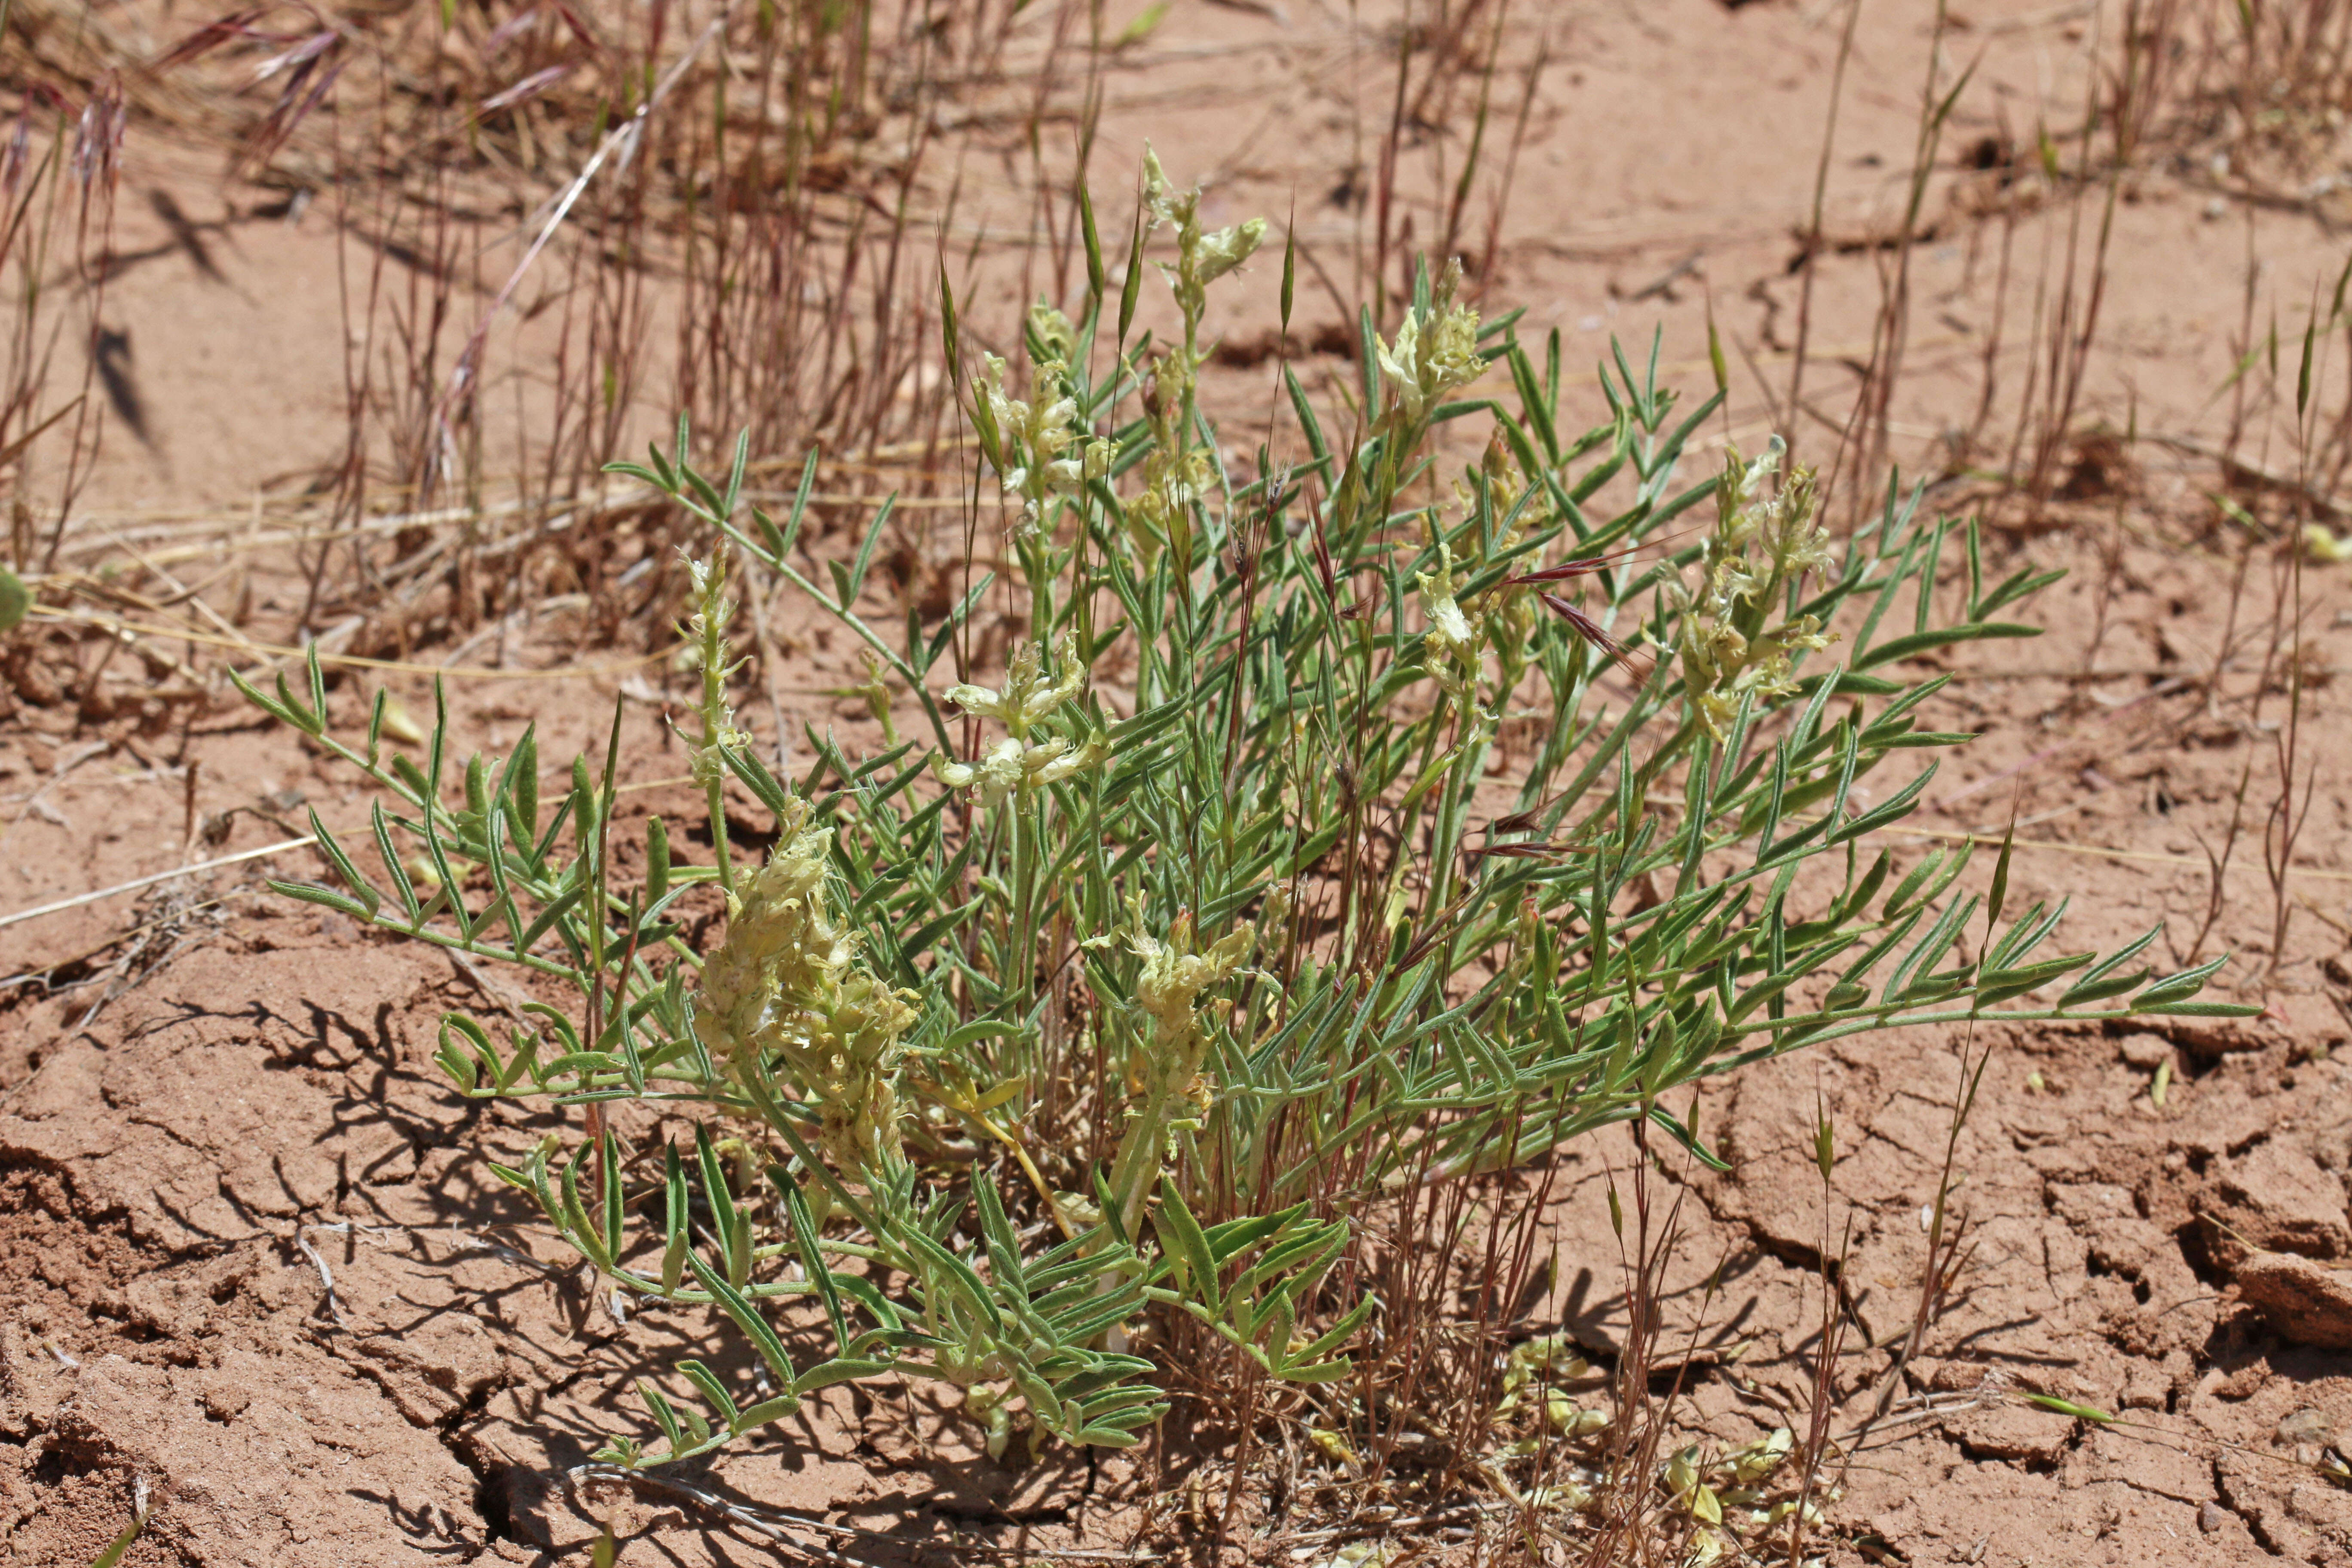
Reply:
x=2145, y=1052
x=2146, y=1389
x=2307, y=1426
x=2211, y=1516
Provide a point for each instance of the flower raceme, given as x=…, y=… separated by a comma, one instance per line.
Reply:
x=785, y=990
x=1201, y=258
x=1038, y=447
x=1010, y=765
x=1018, y=763
x=1029, y=696
x=1166, y=1076
x=1761, y=547
x=1434, y=352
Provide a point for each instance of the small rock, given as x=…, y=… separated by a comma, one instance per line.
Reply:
x=2146, y=1387
x=2032, y=1437
x=2313, y=1025
x=2145, y=1052
x=2242, y=1382
x=226, y=1399
x=2306, y=1303
x=2274, y=1198
x=2209, y=1039
x=2211, y=1516
x=2307, y=1426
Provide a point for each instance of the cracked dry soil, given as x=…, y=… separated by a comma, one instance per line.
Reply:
x=182, y=1179
x=178, y=1186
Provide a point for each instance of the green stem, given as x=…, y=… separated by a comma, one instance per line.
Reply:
x=1137, y=1168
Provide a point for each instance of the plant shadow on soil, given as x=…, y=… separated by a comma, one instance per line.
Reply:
x=169, y=1171
x=168, y=1167
x=183, y=1179
x=168, y=1163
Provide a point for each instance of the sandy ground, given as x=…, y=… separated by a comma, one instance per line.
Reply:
x=199, y=1129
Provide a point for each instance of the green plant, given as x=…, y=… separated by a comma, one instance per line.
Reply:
x=1432, y=828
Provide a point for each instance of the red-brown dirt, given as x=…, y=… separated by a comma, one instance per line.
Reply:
x=201, y=1129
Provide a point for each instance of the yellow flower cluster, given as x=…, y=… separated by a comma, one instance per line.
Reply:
x=1453, y=634
x=1762, y=545
x=705, y=649
x=1029, y=697
x=1434, y=352
x=1037, y=446
x=1174, y=976
x=1165, y=1075
x=786, y=991
x=1201, y=258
